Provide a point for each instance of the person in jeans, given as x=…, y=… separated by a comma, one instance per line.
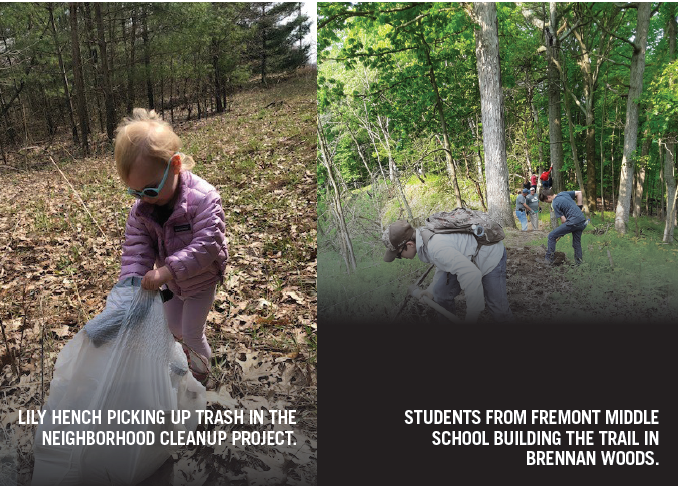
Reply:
x=573, y=220
x=483, y=282
x=522, y=207
x=533, y=203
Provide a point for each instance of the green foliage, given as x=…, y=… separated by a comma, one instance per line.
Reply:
x=662, y=95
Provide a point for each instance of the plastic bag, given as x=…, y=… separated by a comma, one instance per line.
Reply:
x=124, y=359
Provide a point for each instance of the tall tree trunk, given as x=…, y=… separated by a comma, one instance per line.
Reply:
x=263, y=44
x=575, y=157
x=93, y=57
x=344, y=237
x=640, y=178
x=631, y=126
x=590, y=155
x=614, y=187
x=443, y=123
x=669, y=158
x=106, y=75
x=147, y=58
x=78, y=78
x=660, y=211
x=479, y=158
x=132, y=62
x=602, y=158
x=217, y=75
x=555, y=127
x=64, y=77
x=492, y=110
x=536, y=127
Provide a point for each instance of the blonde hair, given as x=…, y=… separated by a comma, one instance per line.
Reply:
x=145, y=134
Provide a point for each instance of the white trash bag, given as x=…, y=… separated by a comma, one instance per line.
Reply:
x=124, y=359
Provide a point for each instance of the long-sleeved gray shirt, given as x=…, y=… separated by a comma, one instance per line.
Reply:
x=452, y=253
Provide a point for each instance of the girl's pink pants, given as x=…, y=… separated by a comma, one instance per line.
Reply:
x=187, y=316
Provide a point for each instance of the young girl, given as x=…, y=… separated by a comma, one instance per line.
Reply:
x=176, y=224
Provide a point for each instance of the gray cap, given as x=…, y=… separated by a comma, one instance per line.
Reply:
x=395, y=236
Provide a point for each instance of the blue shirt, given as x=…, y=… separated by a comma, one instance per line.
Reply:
x=564, y=205
x=520, y=200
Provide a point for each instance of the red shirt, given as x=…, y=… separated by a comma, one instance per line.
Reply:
x=534, y=179
x=545, y=175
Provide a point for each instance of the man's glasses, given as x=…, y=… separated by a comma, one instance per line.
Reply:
x=400, y=253
x=151, y=192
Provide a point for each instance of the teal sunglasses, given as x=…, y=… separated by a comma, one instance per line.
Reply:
x=151, y=192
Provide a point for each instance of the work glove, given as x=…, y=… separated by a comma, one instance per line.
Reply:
x=426, y=293
x=418, y=293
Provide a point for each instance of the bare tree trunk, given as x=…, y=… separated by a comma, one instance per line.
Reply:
x=575, y=157
x=640, y=179
x=669, y=158
x=217, y=75
x=479, y=159
x=555, y=127
x=660, y=211
x=77, y=76
x=631, y=127
x=147, y=57
x=537, y=128
x=263, y=45
x=108, y=91
x=344, y=237
x=132, y=62
x=492, y=110
x=443, y=124
x=602, y=159
x=614, y=188
x=93, y=57
x=64, y=77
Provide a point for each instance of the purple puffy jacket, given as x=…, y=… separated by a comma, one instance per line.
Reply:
x=191, y=243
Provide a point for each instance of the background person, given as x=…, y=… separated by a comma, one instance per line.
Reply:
x=573, y=219
x=546, y=180
x=522, y=208
x=533, y=203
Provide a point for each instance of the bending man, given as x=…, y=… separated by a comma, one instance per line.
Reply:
x=484, y=283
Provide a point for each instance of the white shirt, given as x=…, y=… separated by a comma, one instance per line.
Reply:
x=452, y=253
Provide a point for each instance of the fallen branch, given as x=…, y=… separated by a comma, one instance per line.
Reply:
x=81, y=201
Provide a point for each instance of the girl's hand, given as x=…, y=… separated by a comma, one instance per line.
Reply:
x=154, y=279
